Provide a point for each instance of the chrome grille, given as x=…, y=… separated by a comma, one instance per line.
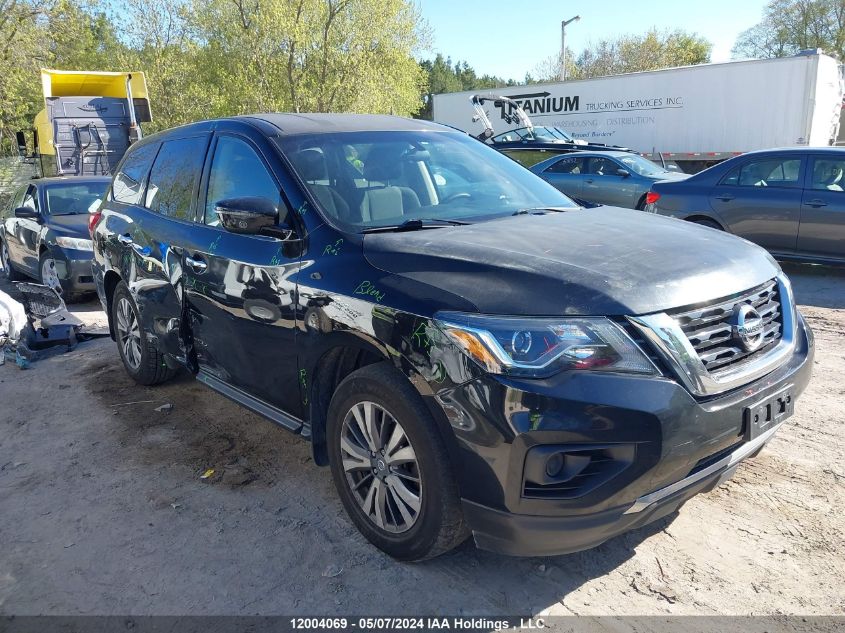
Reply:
x=710, y=328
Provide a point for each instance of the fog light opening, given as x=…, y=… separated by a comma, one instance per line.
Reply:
x=554, y=465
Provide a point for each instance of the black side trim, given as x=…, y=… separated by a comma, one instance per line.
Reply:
x=260, y=407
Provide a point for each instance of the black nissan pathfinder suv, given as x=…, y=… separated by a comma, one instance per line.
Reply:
x=470, y=351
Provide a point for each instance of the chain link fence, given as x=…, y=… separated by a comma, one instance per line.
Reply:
x=13, y=173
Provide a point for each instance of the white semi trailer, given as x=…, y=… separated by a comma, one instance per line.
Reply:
x=693, y=115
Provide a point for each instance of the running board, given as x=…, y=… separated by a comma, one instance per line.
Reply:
x=260, y=407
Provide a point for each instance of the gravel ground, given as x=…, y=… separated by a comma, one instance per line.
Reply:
x=104, y=511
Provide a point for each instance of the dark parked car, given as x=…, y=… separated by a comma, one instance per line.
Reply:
x=492, y=361
x=789, y=201
x=44, y=232
x=619, y=179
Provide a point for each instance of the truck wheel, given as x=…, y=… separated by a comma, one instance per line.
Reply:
x=391, y=468
x=141, y=359
x=708, y=223
x=8, y=271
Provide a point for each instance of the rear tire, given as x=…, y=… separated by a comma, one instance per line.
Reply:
x=141, y=358
x=708, y=223
x=414, y=509
x=641, y=204
x=8, y=271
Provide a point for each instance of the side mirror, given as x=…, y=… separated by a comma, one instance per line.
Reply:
x=249, y=215
x=27, y=213
x=623, y=172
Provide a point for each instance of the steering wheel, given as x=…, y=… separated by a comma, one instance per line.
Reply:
x=456, y=196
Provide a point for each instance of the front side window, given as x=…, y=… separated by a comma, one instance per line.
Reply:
x=128, y=185
x=74, y=199
x=174, y=177
x=237, y=172
x=30, y=199
x=402, y=175
x=827, y=174
x=767, y=172
x=602, y=167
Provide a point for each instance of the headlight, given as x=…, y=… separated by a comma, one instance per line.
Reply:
x=536, y=348
x=75, y=243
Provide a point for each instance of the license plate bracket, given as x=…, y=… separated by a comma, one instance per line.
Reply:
x=768, y=413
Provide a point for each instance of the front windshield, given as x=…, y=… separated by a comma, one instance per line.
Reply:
x=546, y=133
x=641, y=166
x=74, y=198
x=366, y=180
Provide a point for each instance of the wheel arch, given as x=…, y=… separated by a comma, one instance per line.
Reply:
x=697, y=217
x=341, y=354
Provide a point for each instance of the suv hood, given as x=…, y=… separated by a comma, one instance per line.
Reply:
x=606, y=261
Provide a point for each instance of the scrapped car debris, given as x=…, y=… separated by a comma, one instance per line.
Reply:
x=12, y=319
x=165, y=408
x=332, y=571
x=46, y=327
x=208, y=473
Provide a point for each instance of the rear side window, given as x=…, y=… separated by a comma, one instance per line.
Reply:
x=128, y=185
x=174, y=176
x=567, y=165
x=767, y=172
x=237, y=172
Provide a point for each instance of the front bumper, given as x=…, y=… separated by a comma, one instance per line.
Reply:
x=682, y=446
x=73, y=268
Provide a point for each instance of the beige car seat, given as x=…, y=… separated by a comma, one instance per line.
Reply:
x=382, y=200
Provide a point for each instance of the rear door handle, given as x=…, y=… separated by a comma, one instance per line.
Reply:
x=816, y=203
x=197, y=265
x=725, y=197
x=125, y=239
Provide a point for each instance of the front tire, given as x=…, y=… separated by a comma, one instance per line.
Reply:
x=141, y=358
x=391, y=467
x=47, y=272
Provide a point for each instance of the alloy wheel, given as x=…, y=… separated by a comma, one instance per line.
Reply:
x=381, y=467
x=129, y=334
x=49, y=277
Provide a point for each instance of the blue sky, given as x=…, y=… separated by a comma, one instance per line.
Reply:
x=509, y=38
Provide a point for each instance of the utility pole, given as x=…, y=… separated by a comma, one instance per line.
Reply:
x=563, y=45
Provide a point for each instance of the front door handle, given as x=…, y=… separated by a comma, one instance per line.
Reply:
x=816, y=203
x=197, y=265
x=589, y=181
x=725, y=197
x=125, y=239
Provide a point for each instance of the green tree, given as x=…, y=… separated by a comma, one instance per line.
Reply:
x=444, y=76
x=312, y=55
x=789, y=26
x=629, y=53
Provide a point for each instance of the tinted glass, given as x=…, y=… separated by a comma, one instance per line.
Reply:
x=767, y=172
x=74, y=199
x=393, y=177
x=568, y=165
x=602, y=167
x=30, y=199
x=237, y=172
x=174, y=176
x=128, y=185
x=827, y=174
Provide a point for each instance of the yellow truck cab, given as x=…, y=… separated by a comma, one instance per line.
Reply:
x=88, y=122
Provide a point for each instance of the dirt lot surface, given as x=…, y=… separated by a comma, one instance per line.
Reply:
x=103, y=511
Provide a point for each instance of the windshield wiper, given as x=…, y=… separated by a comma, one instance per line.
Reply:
x=415, y=224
